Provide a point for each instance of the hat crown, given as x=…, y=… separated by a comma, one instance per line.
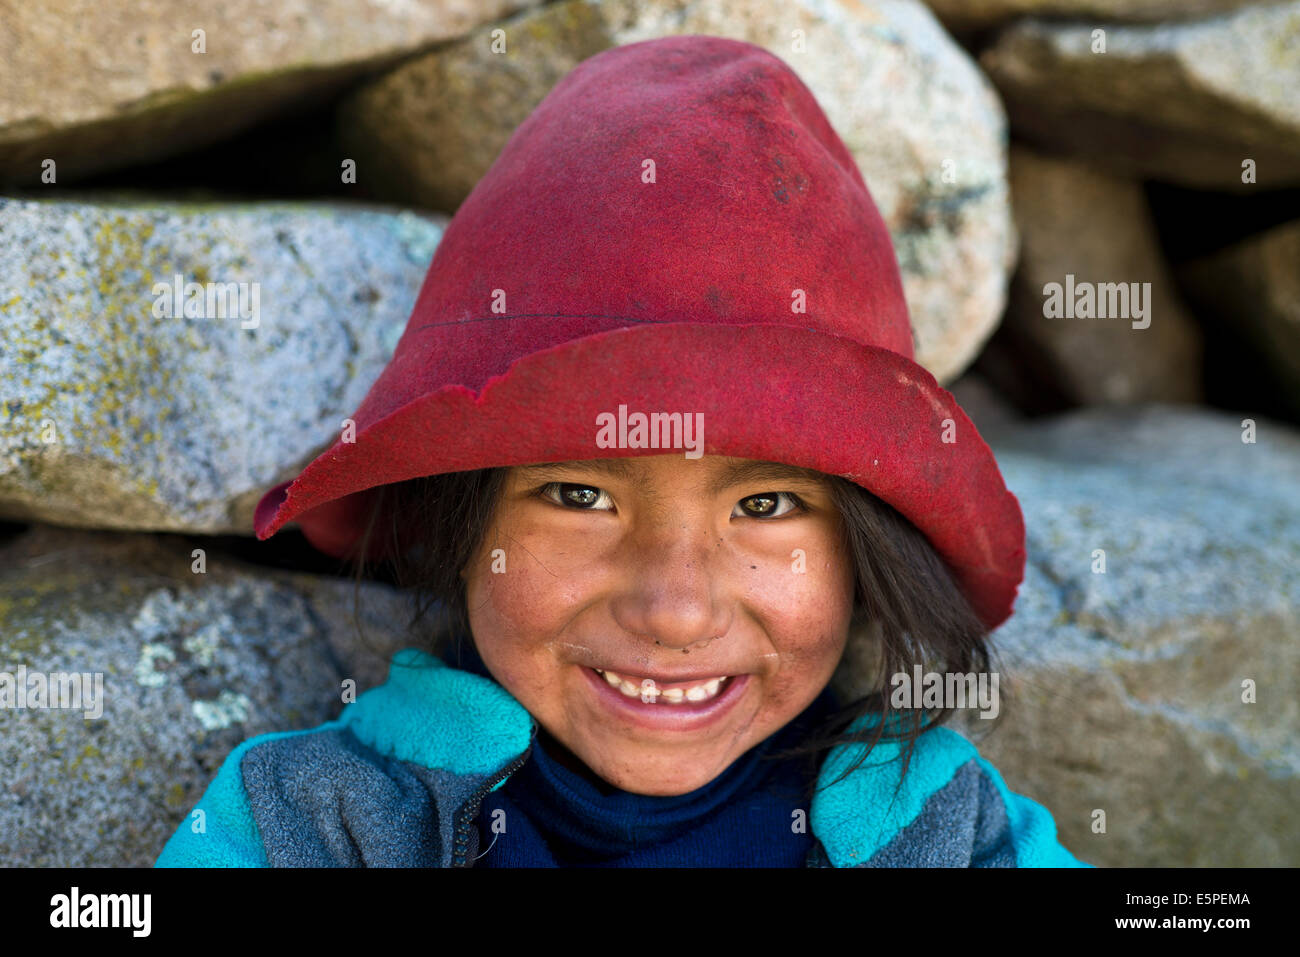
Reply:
x=682, y=179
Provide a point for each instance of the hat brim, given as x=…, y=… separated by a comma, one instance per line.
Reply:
x=767, y=391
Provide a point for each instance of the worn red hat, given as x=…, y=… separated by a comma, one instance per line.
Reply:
x=675, y=229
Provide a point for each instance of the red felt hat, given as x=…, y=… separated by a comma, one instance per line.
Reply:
x=675, y=229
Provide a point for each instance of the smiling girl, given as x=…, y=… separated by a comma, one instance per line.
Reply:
x=638, y=664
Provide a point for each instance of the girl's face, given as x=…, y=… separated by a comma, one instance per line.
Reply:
x=716, y=590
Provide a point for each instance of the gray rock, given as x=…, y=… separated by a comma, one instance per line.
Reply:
x=964, y=15
x=97, y=86
x=1183, y=102
x=114, y=417
x=1253, y=287
x=1074, y=221
x=191, y=665
x=988, y=408
x=1128, y=686
x=923, y=123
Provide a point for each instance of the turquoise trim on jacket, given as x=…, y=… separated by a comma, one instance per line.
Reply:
x=411, y=718
x=1033, y=831
x=851, y=837
x=481, y=734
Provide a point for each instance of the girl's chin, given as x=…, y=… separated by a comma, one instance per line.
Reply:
x=658, y=787
x=643, y=771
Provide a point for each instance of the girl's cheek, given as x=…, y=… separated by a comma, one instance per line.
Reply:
x=531, y=596
x=516, y=612
x=798, y=597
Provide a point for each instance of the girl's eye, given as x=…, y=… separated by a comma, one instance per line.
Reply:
x=765, y=505
x=593, y=499
x=586, y=497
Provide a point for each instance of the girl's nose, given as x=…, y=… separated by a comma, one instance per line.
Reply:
x=673, y=592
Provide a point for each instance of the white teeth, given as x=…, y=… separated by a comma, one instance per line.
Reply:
x=649, y=693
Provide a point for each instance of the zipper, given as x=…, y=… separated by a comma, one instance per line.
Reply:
x=460, y=846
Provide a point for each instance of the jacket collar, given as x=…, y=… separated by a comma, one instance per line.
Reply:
x=440, y=717
x=437, y=716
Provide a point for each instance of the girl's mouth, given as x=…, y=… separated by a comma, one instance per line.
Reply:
x=674, y=706
x=652, y=692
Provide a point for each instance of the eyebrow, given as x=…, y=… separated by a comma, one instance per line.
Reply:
x=736, y=474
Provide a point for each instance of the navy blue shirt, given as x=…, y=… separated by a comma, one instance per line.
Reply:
x=754, y=814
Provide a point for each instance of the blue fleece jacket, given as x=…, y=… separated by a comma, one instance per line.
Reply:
x=399, y=779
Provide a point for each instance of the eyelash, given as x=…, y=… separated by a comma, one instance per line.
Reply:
x=797, y=506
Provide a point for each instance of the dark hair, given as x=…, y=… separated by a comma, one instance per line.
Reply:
x=905, y=597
